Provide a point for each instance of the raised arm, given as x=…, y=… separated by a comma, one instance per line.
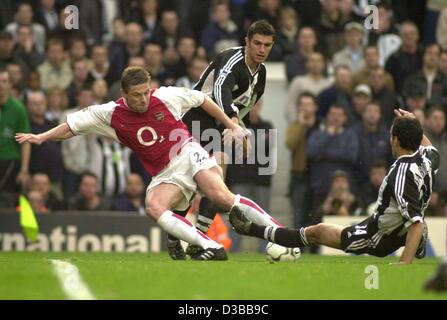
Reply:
x=61, y=132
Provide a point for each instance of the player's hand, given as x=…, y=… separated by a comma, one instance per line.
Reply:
x=237, y=134
x=28, y=137
x=403, y=113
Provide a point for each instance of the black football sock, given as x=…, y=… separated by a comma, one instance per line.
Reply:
x=286, y=237
x=207, y=212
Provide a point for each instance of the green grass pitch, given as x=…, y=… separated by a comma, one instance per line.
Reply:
x=29, y=275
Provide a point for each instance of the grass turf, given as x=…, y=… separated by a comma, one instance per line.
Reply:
x=28, y=275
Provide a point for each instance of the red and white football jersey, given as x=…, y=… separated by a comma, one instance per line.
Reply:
x=155, y=136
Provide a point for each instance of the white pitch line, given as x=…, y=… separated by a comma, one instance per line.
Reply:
x=71, y=281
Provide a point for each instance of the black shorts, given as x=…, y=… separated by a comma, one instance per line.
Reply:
x=204, y=129
x=366, y=237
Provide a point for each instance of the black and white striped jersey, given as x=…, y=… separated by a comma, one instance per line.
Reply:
x=405, y=191
x=230, y=83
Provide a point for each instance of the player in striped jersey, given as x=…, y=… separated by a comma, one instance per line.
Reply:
x=399, y=218
x=235, y=80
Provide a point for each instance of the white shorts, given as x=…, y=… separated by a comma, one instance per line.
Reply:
x=182, y=169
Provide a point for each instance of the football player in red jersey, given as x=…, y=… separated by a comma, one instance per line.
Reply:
x=149, y=122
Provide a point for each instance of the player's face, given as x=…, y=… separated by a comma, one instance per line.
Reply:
x=259, y=47
x=137, y=97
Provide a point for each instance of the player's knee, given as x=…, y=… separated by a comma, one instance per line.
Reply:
x=222, y=198
x=154, y=210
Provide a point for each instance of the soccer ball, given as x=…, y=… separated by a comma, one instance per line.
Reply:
x=278, y=253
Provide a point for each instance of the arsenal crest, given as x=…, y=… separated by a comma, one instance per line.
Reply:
x=159, y=116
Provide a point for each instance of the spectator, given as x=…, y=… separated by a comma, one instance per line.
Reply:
x=132, y=47
x=296, y=141
x=41, y=182
x=148, y=18
x=415, y=99
x=339, y=93
x=408, y=58
x=109, y=161
x=330, y=149
x=17, y=78
x=57, y=103
x=24, y=16
x=386, y=36
x=101, y=69
x=7, y=54
x=370, y=190
x=286, y=35
x=76, y=151
x=168, y=32
x=91, y=20
x=88, y=197
x=430, y=78
x=330, y=27
x=386, y=98
x=55, y=71
x=80, y=77
x=195, y=70
x=340, y=201
x=221, y=32
x=361, y=96
x=47, y=157
x=352, y=54
x=47, y=15
x=133, y=197
x=268, y=10
x=14, y=159
x=373, y=139
x=32, y=84
x=26, y=49
x=314, y=82
x=153, y=58
x=99, y=90
x=296, y=63
x=435, y=131
x=77, y=50
x=37, y=202
x=371, y=54
x=186, y=52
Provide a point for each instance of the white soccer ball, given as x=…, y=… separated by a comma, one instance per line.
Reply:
x=278, y=253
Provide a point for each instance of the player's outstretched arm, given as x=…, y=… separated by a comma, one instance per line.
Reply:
x=61, y=132
x=217, y=113
x=414, y=236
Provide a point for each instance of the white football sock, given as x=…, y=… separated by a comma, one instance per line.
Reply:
x=254, y=212
x=182, y=229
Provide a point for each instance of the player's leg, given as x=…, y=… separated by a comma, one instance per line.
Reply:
x=320, y=234
x=208, y=209
x=212, y=186
x=159, y=200
x=175, y=249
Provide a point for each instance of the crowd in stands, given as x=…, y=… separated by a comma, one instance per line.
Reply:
x=344, y=80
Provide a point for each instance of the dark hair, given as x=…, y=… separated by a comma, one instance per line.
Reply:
x=307, y=94
x=133, y=76
x=262, y=27
x=88, y=173
x=433, y=109
x=408, y=131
